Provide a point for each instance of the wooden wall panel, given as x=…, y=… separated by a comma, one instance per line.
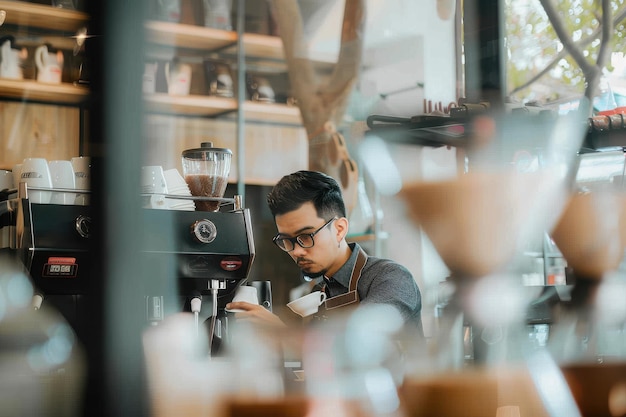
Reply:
x=53, y=132
x=36, y=130
x=271, y=151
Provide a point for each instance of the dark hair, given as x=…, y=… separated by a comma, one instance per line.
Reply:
x=293, y=190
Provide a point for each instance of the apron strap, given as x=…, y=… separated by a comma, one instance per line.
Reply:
x=352, y=296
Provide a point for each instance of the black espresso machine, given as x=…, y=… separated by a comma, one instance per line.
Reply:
x=208, y=253
x=52, y=241
x=212, y=253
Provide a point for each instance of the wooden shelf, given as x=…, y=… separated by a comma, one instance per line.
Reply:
x=192, y=105
x=256, y=46
x=41, y=16
x=262, y=46
x=29, y=90
x=271, y=48
x=188, y=36
x=195, y=105
x=199, y=37
x=271, y=112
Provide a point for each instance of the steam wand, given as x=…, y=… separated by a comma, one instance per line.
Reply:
x=214, y=286
x=196, y=305
x=37, y=301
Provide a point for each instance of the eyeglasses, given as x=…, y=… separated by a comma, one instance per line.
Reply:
x=305, y=240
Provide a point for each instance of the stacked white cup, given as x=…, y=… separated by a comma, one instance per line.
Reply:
x=82, y=178
x=17, y=175
x=63, y=176
x=153, y=187
x=36, y=174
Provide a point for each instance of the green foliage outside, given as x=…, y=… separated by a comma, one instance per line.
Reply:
x=532, y=46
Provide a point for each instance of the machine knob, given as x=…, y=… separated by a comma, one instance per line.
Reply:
x=204, y=231
x=83, y=225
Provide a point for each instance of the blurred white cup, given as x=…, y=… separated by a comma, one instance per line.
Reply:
x=6, y=179
x=36, y=174
x=17, y=172
x=62, y=174
x=153, y=187
x=82, y=172
x=153, y=180
x=82, y=178
x=245, y=293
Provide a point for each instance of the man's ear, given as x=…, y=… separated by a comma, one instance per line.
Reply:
x=341, y=224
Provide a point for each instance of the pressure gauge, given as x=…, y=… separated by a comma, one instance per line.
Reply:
x=204, y=231
x=83, y=225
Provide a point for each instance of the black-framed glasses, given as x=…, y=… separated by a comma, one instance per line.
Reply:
x=305, y=240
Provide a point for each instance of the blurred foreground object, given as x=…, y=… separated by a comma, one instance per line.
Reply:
x=42, y=368
x=513, y=180
x=591, y=233
x=350, y=366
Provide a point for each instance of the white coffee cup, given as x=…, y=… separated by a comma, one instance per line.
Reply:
x=82, y=178
x=153, y=187
x=82, y=171
x=309, y=304
x=62, y=177
x=245, y=293
x=36, y=174
x=153, y=180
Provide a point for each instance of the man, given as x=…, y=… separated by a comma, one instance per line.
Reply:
x=310, y=216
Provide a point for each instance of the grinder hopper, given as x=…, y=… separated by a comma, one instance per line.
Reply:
x=206, y=171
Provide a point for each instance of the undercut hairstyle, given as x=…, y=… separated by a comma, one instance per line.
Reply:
x=293, y=190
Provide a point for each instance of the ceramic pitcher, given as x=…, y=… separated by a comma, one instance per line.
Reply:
x=11, y=59
x=178, y=77
x=49, y=65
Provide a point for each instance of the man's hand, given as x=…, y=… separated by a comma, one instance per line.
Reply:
x=256, y=314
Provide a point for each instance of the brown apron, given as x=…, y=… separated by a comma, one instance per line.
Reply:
x=352, y=296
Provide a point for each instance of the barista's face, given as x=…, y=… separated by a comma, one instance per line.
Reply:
x=323, y=257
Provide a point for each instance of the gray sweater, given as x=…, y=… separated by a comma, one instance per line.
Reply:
x=382, y=281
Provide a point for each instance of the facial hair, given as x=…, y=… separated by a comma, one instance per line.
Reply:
x=310, y=274
x=313, y=275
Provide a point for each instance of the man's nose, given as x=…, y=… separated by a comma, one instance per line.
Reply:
x=298, y=250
